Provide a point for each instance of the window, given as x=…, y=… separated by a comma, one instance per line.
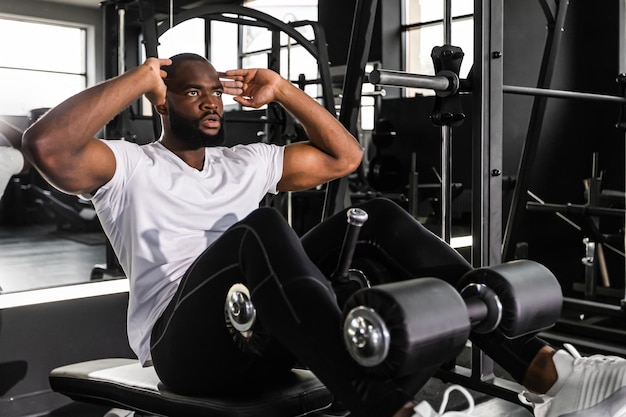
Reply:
x=34, y=71
x=192, y=31
x=189, y=36
x=294, y=59
x=246, y=47
x=424, y=20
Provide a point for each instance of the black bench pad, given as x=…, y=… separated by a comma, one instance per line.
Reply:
x=124, y=383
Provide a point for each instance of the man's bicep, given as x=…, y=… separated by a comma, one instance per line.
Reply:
x=80, y=172
x=305, y=167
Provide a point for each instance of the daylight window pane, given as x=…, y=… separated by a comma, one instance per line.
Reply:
x=224, y=45
x=419, y=11
x=187, y=36
x=423, y=41
x=255, y=61
x=296, y=60
x=463, y=37
x=23, y=90
x=36, y=46
x=258, y=4
x=256, y=39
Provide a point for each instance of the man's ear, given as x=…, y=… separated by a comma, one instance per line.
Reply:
x=161, y=109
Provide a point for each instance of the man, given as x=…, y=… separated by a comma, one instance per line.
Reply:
x=182, y=215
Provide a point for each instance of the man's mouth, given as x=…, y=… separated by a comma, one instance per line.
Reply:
x=211, y=121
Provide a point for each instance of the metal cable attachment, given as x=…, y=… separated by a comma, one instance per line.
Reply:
x=357, y=217
x=366, y=336
x=239, y=310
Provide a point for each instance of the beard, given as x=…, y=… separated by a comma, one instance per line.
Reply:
x=189, y=132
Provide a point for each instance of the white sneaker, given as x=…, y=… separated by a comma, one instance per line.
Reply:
x=423, y=409
x=593, y=386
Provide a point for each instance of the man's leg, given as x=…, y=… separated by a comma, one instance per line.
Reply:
x=192, y=348
x=193, y=352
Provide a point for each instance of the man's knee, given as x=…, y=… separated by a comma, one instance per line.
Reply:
x=266, y=214
x=380, y=204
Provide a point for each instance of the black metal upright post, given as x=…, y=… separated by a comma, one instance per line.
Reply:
x=486, y=151
x=622, y=78
x=487, y=133
x=446, y=144
x=556, y=22
x=113, y=39
x=358, y=53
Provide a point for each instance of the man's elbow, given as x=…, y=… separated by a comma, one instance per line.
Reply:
x=36, y=147
x=31, y=138
x=30, y=143
x=354, y=160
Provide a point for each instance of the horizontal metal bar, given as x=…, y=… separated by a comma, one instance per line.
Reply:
x=82, y=74
x=576, y=209
x=406, y=79
x=499, y=387
x=593, y=307
x=531, y=91
x=585, y=344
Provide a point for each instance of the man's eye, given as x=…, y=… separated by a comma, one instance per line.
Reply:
x=218, y=93
x=192, y=93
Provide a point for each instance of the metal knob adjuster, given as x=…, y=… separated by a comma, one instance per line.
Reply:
x=239, y=310
x=366, y=336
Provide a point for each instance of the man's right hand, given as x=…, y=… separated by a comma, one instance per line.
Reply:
x=156, y=95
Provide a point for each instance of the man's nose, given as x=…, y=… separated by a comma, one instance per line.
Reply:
x=210, y=102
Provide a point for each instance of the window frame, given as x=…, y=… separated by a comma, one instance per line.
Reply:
x=89, y=75
x=405, y=34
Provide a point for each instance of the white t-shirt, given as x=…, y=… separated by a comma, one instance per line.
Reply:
x=160, y=214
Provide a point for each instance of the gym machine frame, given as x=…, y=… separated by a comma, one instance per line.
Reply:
x=487, y=88
x=485, y=83
x=584, y=335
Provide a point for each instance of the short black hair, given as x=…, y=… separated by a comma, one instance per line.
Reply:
x=180, y=58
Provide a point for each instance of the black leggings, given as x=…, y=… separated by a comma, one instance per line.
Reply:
x=193, y=351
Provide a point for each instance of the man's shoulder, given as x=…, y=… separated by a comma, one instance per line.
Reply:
x=255, y=148
x=121, y=144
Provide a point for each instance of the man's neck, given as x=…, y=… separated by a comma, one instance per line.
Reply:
x=192, y=157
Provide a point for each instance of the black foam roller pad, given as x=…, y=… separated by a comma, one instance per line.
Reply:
x=530, y=294
x=427, y=322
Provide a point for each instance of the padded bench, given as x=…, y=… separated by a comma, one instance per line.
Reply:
x=124, y=383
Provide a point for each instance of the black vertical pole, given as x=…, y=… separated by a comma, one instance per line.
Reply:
x=517, y=211
x=358, y=53
x=112, y=31
x=151, y=45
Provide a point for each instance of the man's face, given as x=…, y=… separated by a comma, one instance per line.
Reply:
x=195, y=107
x=191, y=131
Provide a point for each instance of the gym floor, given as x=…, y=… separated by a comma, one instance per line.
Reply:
x=491, y=408
x=39, y=256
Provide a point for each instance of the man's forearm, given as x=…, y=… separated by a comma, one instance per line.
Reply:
x=323, y=128
x=78, y=119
